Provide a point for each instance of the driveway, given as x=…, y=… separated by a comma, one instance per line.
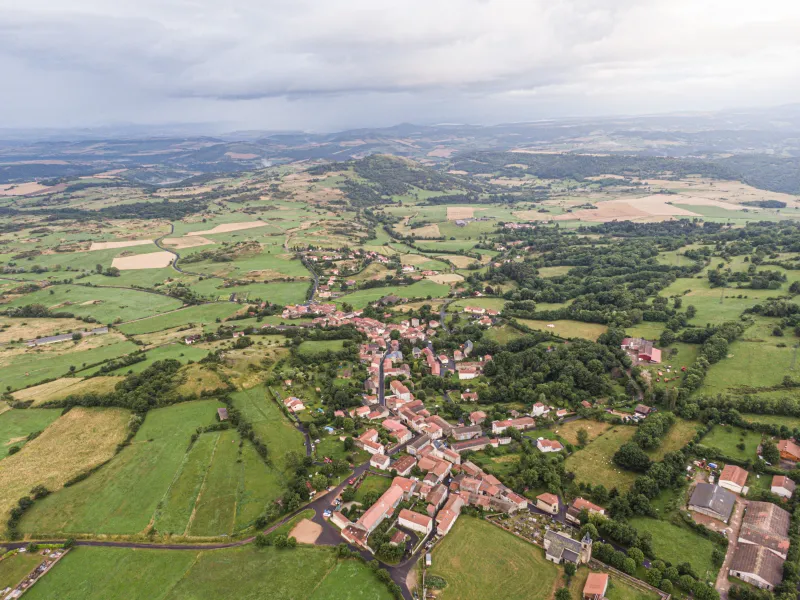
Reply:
x=734, y=526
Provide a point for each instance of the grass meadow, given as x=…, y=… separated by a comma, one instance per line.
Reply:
x=567, y=328
x=678, y=544
x=16, y=425
x=198, y=315
x=726, y=439
x=420, y=289
x=593, y=463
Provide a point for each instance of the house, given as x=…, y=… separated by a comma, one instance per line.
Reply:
x=398, y=539
x=596, y=586
x=580, y=504
x=400, y=390
x=369, y=441
x=477, y=417
x=469, y=396
x=789, y=450
x=540, y=409
x=467, y=373
x=560, y=547
x=474, y=445
x=733, y=478
x=415, y=521
x=782, y=486
x=547, y=503
x=404, y=464
x=222, y=414
x=766, y=524
x=757, y=566
x=712, y=500
x=643, y=349
x=380, y=461
x=418, y=444
x=294, y=404
x=376, y=513
x=545, y=445
x=467, y=433
x=642, y=410
x=500, y=426
x=409, y=486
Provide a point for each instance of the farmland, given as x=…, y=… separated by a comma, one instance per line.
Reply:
x=593, y=463
x=235, y=573
x=471, y=574
x=198, y=315
x=59, y=389
x=567, y=328
x=728, y=440
x=16, y=425
x=420, y=289
x=678, y=544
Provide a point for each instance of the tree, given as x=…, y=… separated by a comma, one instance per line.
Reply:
x=563, y=594
x=569, y=569
x=583, y=437
x=77, y=336
x=691, y=311
x=319, y=482
x=637, y=555
x=629, y=566
x=262, y=541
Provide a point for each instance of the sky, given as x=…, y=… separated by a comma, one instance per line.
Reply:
x=325, y=65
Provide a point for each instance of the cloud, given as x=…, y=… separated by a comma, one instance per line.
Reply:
x=266, y=61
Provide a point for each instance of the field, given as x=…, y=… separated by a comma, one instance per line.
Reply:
x=677, y=544
x=790, y=422
x=318, y=347
x=493, y=303
x=89, y=435
x=14, y=329
x=677, y=437
x=569, y=431
x=502, y=334
x=104, y=304
x=16, y=425
x=420, y=289
x=474, y=575
x=14, y=568
x=198, y=315
x=174, y=351
x=61, y=388
x=130, y=574
x=122, y=496
x=618, y=588
x=726, y=438
x=269, y=422
x=372, y=483
x=593, y=464
x=568, y=329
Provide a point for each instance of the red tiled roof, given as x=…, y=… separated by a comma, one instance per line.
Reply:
x=734, y=474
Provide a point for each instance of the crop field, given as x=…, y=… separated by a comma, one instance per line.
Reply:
x=16, y=425
x=678, y=544
x=15, y=329
x=90, y=435
x=32, y=365
x=726, y=439
x=593, y=463
x=197, y=315
x=567, y=328
x=678, y=436
x=121, y=497
x=269, y=422
x=318, y=347
x=485, y=574
x=104, y=304
x=420, y=289
x=66, y=386
x=269, y=573
x=618, y=588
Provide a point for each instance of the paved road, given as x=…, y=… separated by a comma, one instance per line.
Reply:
x=722, y=584
x=381, y=388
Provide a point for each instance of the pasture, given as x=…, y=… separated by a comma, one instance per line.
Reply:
x=678, y=436
x=16, y=425
x=311, y=348
x=727, y=438
x=569, y=431
x=567, y=328
x=247, y=572
x=485, y=302
x=677, y=544
x=22, y=329
x=59, y=389
x=593, y=464
x=473, y=574
x=122, y=496
x=420, y=289
x=79, y=440
x=194, y=315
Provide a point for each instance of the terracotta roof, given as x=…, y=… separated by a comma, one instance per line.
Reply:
x=784, y=482
x=550, y=499
x=376, y=513
x=581, y=503
x=789, y=447
x=416, y=518
x=596, y=584
x=767, y=525
x=734, y=474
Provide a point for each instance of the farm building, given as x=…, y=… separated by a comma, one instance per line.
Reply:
x=765, y=524
x=789, y=450
x=713, y=501
x=757, y=566
x=643, y=349
x=596, y=586
x=782, y=486
x=733, y=478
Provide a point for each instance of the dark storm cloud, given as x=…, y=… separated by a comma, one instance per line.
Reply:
x=328, y=63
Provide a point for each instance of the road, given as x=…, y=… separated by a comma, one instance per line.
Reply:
x=159, y=243
x=722, y=584
x=381, y=387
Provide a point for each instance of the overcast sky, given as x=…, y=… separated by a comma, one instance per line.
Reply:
x=335, y=64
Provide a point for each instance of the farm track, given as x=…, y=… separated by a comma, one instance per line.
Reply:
x=158, y=243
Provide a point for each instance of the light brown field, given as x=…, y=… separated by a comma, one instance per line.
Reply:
x=413, y=259
x=460, y=212
x=198, y=379
x=159, y=338
x=79, y=440
x=22, y=189
x=441, y=152
x=306, y=532
x=65, y=386
x=228, y=227
x=241, y=156
x=732, y=192
x=152, y=260
x=457, y=172
x=532, y=215
x=36, y=328
x=446, y=278
x=462, y=262
x=115, y=245
x=4, y=406
x=187, y=242
x=633, y=209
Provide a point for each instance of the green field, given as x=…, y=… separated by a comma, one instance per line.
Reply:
x=479, y=560
x=593, y=464
x=233, y=574
x=277, y=292
x=175, y=351
x=566, y=328
x=23, y=370
x=502, y=334
x=197, y=315
x=677, y=437
x=13, y=569
x=372, y=483
x=726, y=438
x=269, y=423
x=318, y=347
x=104, y=304
x=618, y=588
x=493, y=303
x=790, y=422
x=420, y=289
x=123, y=495
x=16, y=425
x=677, y=544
